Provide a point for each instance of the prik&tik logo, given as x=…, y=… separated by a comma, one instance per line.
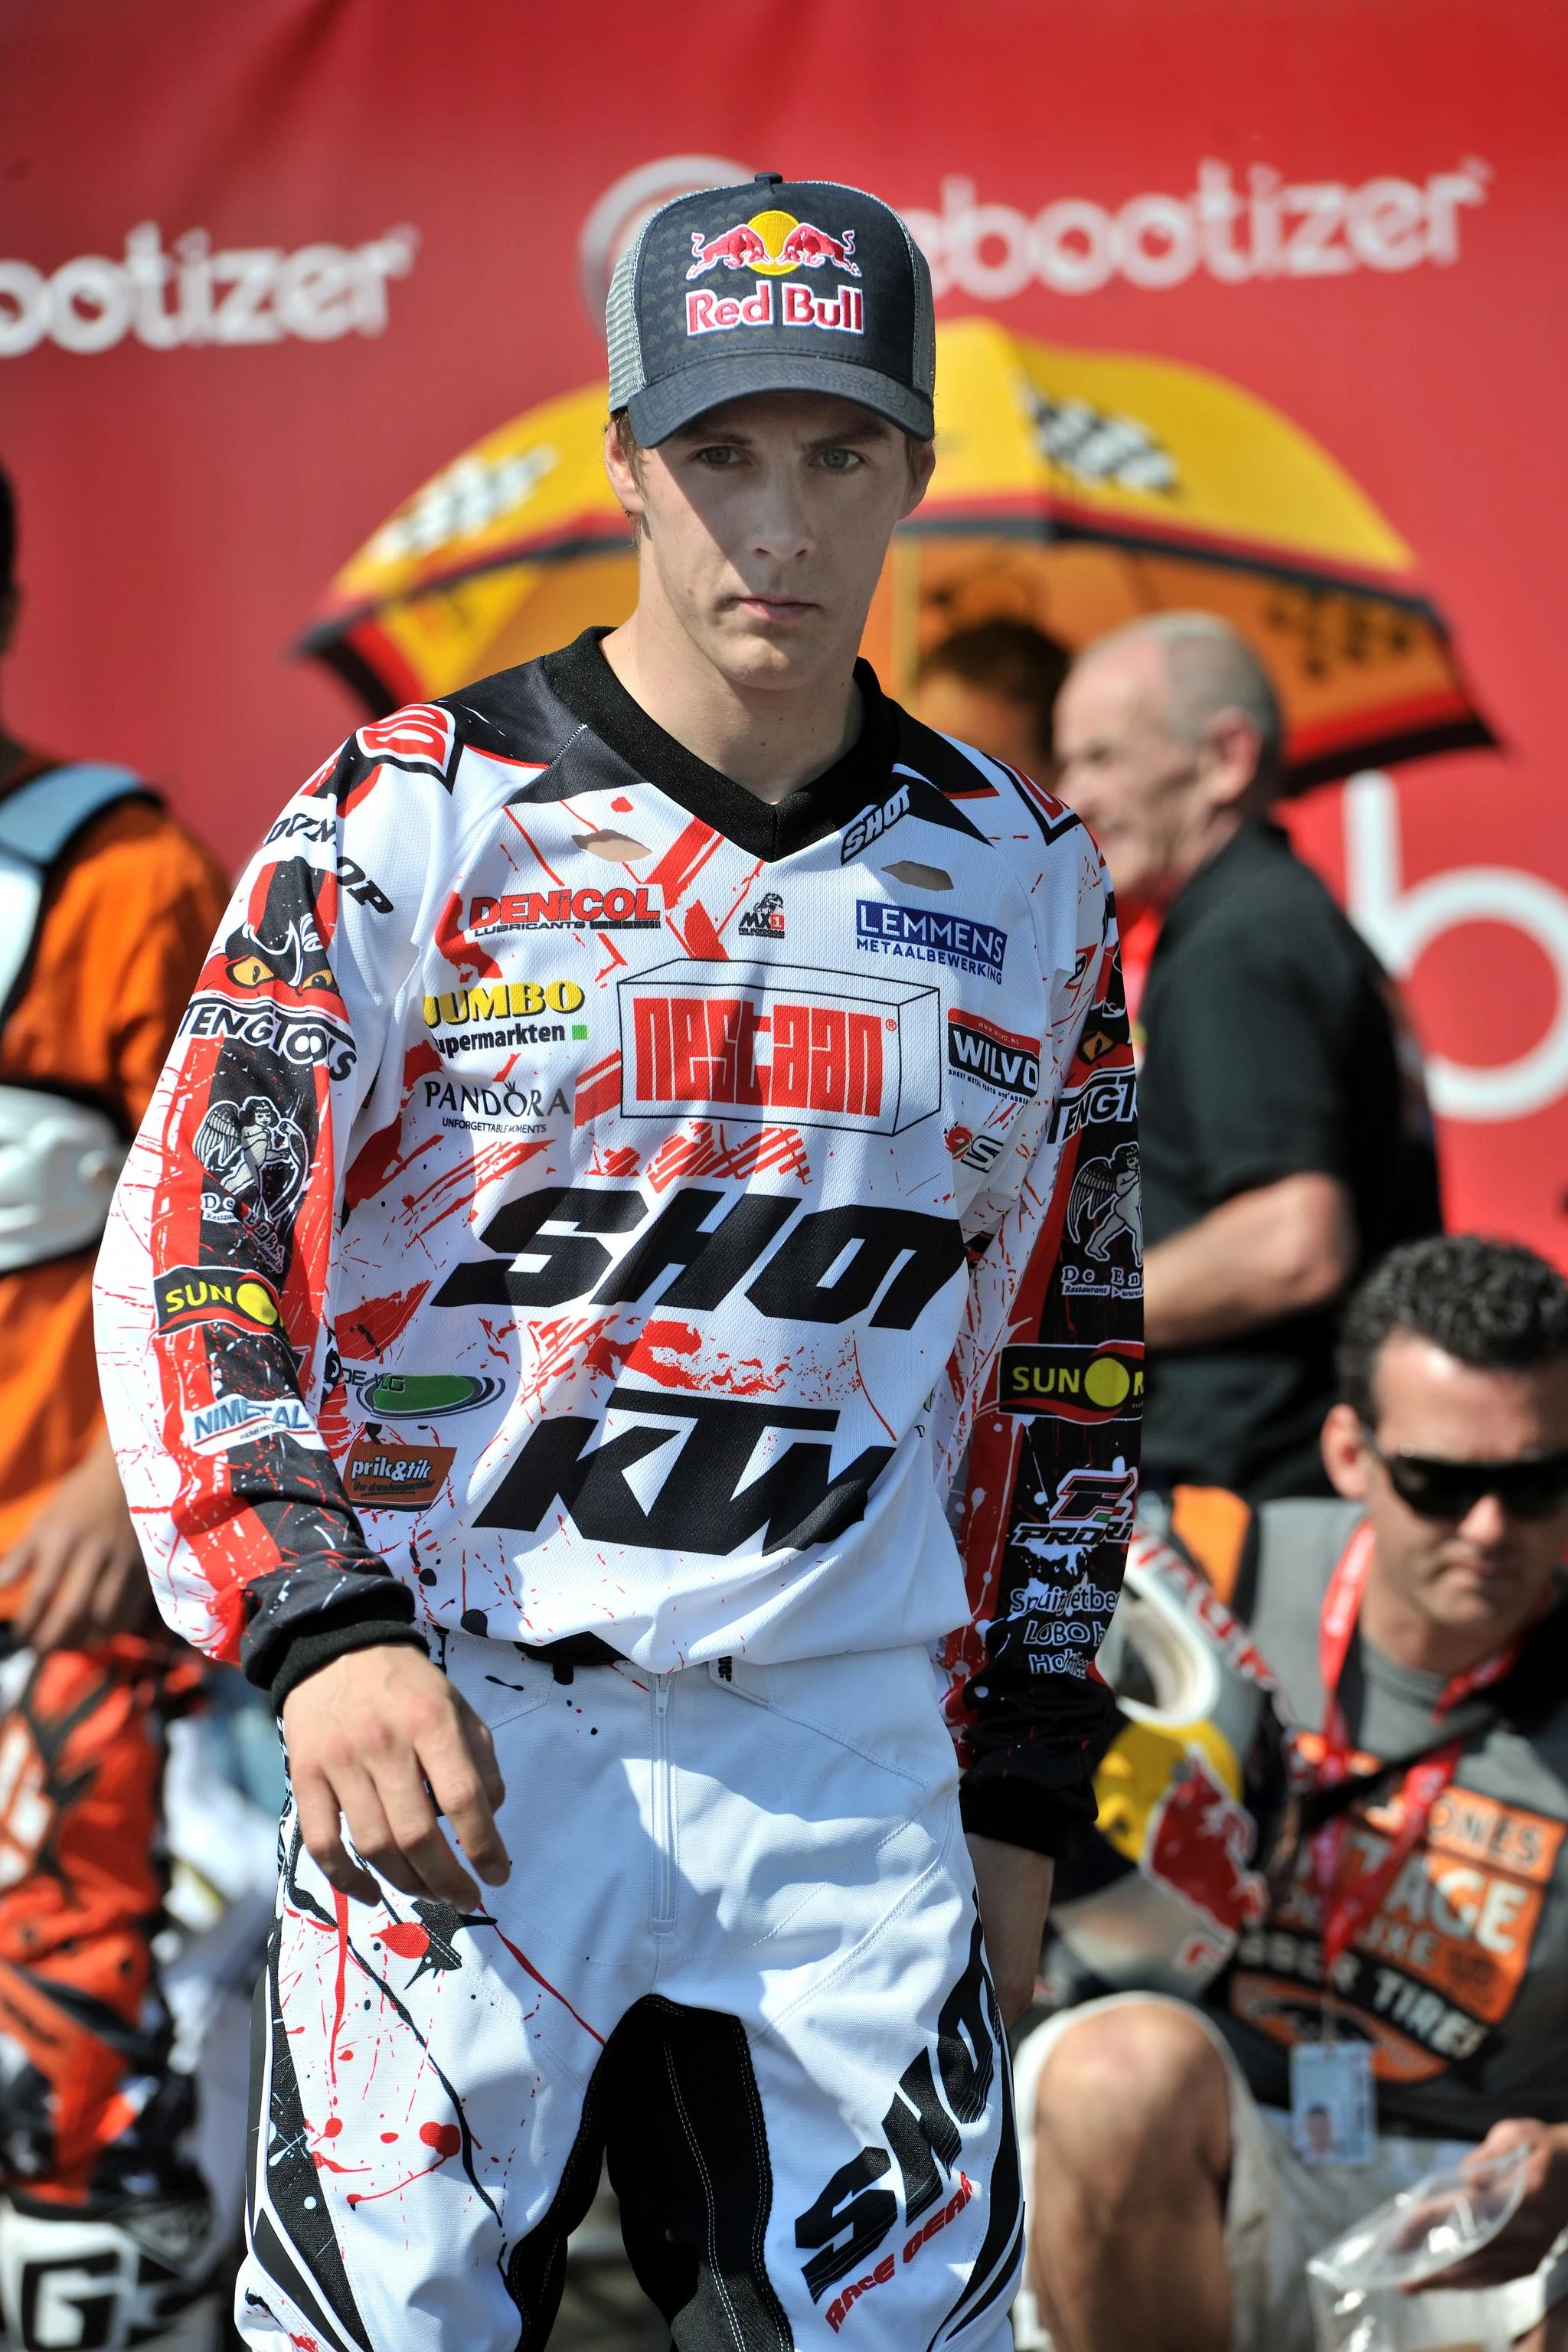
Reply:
x=396, y=1478
x=818, y=1048
x=774, y=245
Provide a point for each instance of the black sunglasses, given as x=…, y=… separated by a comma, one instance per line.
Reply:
x=1529, y=1489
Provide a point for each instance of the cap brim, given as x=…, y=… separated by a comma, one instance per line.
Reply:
x=664, y=408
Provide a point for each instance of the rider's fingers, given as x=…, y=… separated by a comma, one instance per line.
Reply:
x=477, y=1732
x=422, y=1848
x=320, y=1826
x=461, y=1776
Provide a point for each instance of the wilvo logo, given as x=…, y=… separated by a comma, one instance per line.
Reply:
x=999, y=1061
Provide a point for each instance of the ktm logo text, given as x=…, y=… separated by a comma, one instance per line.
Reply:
x=821, y=1059
x=731, y=1469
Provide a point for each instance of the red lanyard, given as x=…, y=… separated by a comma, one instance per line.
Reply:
x=1345, y=1909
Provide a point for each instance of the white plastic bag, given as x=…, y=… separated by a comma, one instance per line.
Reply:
x=1359, y=2285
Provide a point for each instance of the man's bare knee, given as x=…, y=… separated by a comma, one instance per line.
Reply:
x=1136, y=2087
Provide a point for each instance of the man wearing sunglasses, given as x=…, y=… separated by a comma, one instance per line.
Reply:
x=1412, y=1966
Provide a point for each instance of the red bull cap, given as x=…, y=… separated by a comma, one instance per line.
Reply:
x=774, y=286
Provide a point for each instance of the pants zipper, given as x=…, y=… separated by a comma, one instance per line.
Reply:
x=663, y=1920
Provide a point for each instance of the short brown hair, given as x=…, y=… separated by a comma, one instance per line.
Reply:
x=1004, y=657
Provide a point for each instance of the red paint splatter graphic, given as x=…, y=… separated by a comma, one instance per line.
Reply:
x=700, y=938
x=598, y=1090
x=445, y=2138
x=524, y=1962
x=683, y=862
x=370, y=1328
x=456, y=945
x=701, y=1150
x=620, y=1161
x=407, y=1940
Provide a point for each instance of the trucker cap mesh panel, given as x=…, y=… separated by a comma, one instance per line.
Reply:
x=627, y=374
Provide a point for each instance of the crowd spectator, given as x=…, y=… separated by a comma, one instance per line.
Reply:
x=994, y=685
x=1285, y=1142
x=110, y=908
x=1421, y=1620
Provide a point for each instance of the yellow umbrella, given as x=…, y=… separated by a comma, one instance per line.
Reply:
x=1073, y=489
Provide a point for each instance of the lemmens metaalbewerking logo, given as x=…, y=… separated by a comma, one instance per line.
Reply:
x=190, y=295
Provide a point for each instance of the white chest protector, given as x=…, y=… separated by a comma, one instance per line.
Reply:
x=61, y=1152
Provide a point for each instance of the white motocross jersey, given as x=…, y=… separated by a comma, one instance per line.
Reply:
x=585, y=1199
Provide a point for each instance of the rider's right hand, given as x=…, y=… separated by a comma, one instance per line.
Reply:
x=379, y=1744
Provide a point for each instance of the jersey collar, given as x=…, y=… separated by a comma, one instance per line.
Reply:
x=581, y=678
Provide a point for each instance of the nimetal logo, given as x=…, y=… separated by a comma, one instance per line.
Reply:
x=818, y=1049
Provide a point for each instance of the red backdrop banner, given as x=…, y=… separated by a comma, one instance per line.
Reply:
x=263, y=269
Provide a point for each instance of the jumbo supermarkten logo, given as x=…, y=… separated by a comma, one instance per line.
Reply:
x=1079, y=1383
x=460, y=1019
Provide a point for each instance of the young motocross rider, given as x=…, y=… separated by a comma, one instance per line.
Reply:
x=641, y=1169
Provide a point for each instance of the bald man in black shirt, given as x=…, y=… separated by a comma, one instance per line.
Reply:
x=1286, y=1139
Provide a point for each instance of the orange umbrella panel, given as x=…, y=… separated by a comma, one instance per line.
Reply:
x=1077, y=489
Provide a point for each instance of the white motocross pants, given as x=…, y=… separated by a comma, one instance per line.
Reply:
x=739, y=1951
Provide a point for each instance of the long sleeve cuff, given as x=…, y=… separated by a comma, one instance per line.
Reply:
x=308, y=1653
x=290, y=1639
x=1021, y=1812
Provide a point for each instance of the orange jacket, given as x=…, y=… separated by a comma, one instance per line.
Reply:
x=124, y=933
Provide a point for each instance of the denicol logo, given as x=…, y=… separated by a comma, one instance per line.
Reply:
x=616, y=909
x=883, y=929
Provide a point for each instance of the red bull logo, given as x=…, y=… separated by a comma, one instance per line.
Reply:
x=774, y=245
